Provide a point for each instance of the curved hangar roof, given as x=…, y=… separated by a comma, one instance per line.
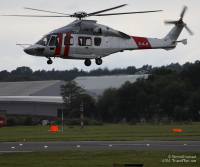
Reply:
x=98, y=84
x=31, y=91
x=39, y=99
x=31, y=88
x=49, y=91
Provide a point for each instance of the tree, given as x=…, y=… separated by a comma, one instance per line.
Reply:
x=193, y=74
x=22, y=71
x=123, y=106
x=173, y=95
x=4, y=74
x=131, y=70
x=70, y=91
x=142, y=103
x=104, y=104
x=89, y=106
x=146, y=105
x=194, y=105
x=181, y=114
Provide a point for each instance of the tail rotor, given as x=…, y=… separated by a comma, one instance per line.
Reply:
x=180, y=22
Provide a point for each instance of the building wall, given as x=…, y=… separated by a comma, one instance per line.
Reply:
x=31, y=108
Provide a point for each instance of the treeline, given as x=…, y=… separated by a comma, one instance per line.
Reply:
x=27, y=74
x=164, y=94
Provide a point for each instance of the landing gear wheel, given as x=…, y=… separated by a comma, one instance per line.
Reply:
x=49, y=61
x=87, y=62
x=99, y=61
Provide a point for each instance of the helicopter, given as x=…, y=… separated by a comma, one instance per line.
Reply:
x=85, y=39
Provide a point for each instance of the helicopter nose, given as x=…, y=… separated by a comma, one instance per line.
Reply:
x=29, y=50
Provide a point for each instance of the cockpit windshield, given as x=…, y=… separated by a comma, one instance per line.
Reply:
x=44, y=41
x=54, y=41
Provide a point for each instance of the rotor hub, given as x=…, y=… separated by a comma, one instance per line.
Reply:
x=80, y=14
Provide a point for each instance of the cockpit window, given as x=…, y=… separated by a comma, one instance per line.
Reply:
x=54, y=41
x=44, y=41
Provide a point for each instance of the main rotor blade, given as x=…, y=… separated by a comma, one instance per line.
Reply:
x=90, y=14
x=191, y=33
x=109, y=14
x=34, y=16
x=46, y=11
x=170, y=22
x=183, y=12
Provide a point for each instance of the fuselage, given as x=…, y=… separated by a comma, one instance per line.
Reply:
x=85, y=39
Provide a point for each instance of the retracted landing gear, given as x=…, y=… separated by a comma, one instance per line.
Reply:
x=99, y=61
x=49, y=61
x=87, y=62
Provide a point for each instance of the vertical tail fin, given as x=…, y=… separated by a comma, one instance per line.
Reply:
x=174, y=33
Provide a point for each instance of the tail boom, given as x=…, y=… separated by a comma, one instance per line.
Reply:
x=152, y=43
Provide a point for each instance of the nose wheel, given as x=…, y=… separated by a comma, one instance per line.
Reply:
x=49, y=61
x=87, y=62
x=99, y=61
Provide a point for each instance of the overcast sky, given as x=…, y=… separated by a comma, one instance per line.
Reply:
x=30, y=30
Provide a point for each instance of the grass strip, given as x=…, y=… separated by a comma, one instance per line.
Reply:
x=100, y=158
x=108, y=132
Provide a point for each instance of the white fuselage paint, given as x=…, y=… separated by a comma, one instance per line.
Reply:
x=109, y=45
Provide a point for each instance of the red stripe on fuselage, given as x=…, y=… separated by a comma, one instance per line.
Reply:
x=67, y=47
x=142, y=42
x=59, y=47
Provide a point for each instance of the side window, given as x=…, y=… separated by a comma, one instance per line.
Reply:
x=69, y=40
x=97, y=41
x=84, y=41
x=88, y=41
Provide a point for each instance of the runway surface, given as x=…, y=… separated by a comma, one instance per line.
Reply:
x=6, y=147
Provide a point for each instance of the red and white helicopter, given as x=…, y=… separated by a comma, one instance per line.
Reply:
x=85, y=39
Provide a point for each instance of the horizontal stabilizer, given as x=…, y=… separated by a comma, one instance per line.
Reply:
x=184, y=41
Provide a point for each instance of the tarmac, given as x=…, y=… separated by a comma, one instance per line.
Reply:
x=8, y=147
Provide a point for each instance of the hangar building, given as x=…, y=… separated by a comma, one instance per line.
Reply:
x=43, y=97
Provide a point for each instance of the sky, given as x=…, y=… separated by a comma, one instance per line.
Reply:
x=25, y=30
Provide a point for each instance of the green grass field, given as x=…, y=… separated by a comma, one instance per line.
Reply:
x=97, y=159
x=111, y=132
